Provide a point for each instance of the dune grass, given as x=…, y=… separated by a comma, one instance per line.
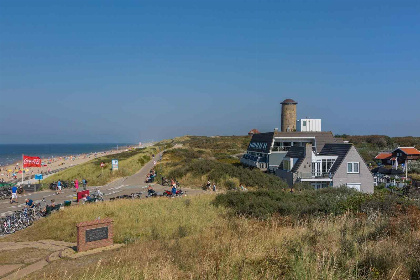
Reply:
x=190, y=238
x=134, y=220
x=129, y=162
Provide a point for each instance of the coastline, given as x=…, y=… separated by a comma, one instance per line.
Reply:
x=55, y=164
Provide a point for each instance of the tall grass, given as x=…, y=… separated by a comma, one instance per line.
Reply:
x=191, y=239
x=135, y=220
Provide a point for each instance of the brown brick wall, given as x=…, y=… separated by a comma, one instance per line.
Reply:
x=82, y=245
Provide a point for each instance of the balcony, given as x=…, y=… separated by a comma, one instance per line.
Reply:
x=313, y=175
x=280, y=149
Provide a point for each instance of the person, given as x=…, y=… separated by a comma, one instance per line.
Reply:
x=43, y=206
x=174, y=190
x=84, y=182
x=59, y=186
x=76, y=185
x=14, y=194
x=29, y=203
x=214, y=187
x=208, y=185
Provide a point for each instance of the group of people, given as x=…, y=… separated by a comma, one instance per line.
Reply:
x=45, y=208
x=150, y=177
x=76, y=185
x=210, y=186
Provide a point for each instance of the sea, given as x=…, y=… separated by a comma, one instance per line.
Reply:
x=12, y=153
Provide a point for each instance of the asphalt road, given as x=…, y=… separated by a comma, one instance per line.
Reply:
x=122, y=186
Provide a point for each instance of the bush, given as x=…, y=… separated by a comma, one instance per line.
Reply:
x=221, y=172
x=263, y=203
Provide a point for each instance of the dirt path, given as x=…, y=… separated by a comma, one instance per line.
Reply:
x=27, y=257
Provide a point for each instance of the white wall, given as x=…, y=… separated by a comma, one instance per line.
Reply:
x=305, y=125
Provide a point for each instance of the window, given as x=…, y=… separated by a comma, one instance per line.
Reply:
x=352, y=167
x=304, y=123
x=354, y=186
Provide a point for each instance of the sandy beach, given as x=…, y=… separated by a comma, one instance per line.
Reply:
x=54, y=164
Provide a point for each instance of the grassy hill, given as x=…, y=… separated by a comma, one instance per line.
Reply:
x=216, y=159
x=200, y=237
x=129, y=163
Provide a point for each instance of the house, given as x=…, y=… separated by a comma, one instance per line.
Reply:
x=400, y=154
x=267, y=150
x=385, y=158
x=337, y=164
x=404, y=154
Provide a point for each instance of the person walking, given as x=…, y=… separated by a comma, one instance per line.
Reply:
x=84, y=182
x=14, y=194
x=214, y=187
x=76, y=185
x=59, y=186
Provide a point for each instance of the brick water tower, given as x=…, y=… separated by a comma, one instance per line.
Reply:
x=288, y=115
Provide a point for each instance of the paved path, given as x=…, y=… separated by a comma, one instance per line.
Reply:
x=121, y=186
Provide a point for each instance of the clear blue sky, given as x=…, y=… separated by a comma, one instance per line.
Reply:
x=127, y=71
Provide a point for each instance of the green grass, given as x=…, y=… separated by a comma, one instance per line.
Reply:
x=129, y=163
x=135, y=220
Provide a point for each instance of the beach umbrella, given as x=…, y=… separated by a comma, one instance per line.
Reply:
x=10, y=170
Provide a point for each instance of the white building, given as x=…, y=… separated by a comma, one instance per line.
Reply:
x=309, y=125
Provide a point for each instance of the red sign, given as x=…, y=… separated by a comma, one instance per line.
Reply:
x=31, y=161
x=102, y=164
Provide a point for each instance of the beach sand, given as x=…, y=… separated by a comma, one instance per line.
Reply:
x=53, y=164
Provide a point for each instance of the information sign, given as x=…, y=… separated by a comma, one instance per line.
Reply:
x=115, y=164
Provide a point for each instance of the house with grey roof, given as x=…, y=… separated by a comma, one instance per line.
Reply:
x=336, y=164
x=267, y=150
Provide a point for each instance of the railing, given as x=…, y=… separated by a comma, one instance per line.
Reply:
x=312, y=175
x=280, y=149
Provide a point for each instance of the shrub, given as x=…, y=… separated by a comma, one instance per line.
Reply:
x=263, y=203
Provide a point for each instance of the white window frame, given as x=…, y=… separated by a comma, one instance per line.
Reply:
x=353, y=164
x=356, y=186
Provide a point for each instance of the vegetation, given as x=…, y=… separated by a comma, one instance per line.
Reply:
x=194, y=167
x=370, y=145
x=129, y=163
x=335, y=201
x=196, y=239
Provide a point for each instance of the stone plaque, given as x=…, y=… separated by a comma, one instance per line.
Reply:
x=96, y=234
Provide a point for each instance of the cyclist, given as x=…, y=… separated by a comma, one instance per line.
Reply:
x=150, y=191
x=29, y=203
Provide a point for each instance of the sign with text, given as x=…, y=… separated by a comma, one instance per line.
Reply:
x=115, y=164
x=31, y=161
x=94, y=234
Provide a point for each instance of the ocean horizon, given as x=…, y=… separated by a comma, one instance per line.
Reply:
x=11, y=153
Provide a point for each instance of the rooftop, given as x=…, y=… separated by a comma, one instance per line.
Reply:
x=321, y=137
x=289, y=101
x=409, y=150
x=339, y=150
x=383, y=156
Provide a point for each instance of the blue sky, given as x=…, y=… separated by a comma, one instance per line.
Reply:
x=128, y=71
